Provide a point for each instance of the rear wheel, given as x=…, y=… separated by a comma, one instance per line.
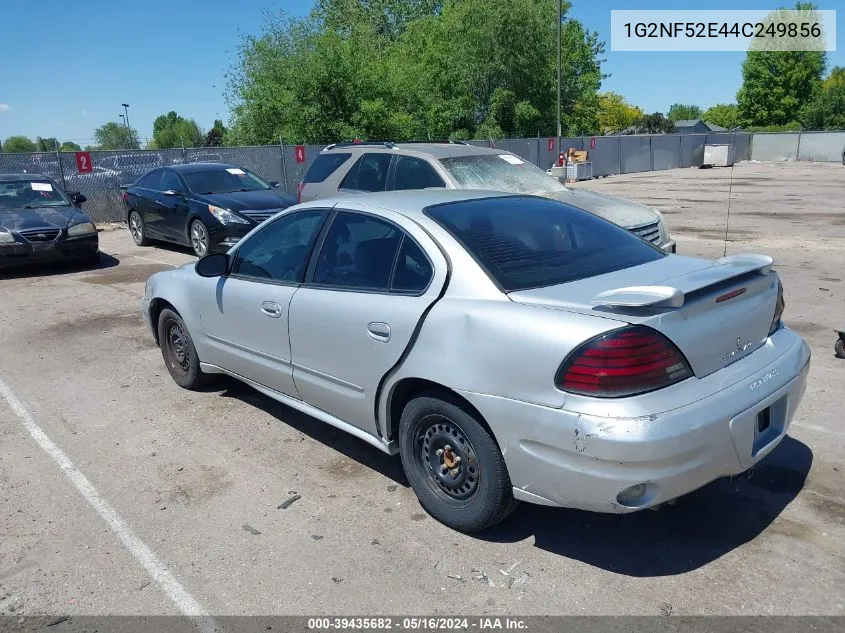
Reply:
x=138, y=229
x=453, y=464
x=178, y=351
x=199, y=238
x=839, y=348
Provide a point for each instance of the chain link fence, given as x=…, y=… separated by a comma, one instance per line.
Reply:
x=287, y=164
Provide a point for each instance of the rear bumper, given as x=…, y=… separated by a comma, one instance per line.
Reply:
x=564, y=458
x=17, y=254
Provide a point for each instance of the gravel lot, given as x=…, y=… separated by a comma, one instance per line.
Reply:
x=197, y=477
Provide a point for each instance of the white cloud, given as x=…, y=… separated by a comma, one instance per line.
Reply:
x=4, y=107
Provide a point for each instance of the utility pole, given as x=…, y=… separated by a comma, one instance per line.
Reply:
x=559, y=132
x=126, y=120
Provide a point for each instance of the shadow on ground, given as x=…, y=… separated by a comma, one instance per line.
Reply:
x=700, y=528
x=57, y=268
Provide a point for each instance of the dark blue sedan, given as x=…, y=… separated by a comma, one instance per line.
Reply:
x=207, y=206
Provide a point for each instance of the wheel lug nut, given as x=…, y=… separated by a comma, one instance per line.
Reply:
x=457, y=459
x=438, y=452
x=448, y=447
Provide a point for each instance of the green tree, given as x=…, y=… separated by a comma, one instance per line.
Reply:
x=18, y=145
x=835, y=78
x=654, y=123
x=683, y=112
x=113, y=135
x=412, y=69
x=527, y=119
x=615, y=113
x=69, y=146
x=723, y=114
x=777, y=84
x=215, y=135
x=171, y=130
x=827, y=110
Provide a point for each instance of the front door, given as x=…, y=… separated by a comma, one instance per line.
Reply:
x=246, y=320
x=353, y=319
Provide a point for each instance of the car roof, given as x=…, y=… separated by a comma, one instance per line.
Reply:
x=194, y=167
x=408, y=202
x=436, y=150
x=15, y=177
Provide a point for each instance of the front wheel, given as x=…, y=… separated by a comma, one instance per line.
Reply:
x=199, y=238
x=453, y=464
x=179, y=352
x=839, y=348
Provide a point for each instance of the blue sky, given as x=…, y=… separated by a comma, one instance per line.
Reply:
x=71, y=64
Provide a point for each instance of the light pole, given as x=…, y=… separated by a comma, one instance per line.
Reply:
x=126, y=120
x=559, y=11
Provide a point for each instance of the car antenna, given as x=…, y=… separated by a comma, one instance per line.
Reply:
x=730, y=189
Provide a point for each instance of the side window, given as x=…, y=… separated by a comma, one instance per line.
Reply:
x=413, y=269
x=279, y=251
x=369, y=173
x=324, y=166
x=151, y=180
x=415, y=173
x=358, y=252
x=170, y=180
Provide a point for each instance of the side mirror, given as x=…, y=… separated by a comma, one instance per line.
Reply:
x=172, y=192
x=274, y=184
x=77, y=198
x=213, y=265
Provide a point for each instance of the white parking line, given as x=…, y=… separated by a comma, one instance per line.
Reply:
x=142, y=553
x=155, y=261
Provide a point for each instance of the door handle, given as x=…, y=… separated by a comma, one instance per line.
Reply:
x=271, y=309
x=379, y=331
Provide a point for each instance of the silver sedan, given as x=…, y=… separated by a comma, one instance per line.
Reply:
x=508, y=347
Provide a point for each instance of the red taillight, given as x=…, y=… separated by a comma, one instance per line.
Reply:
x=779, y=306
x=299, y=189
x=625, y=362
x=125, y=196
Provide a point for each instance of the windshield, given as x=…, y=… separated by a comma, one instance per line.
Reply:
x=31, y=194
x=499, y=172
x=223, y=180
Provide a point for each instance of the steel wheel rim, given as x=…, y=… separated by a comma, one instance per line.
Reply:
x=135, y=228
x=198, y=238
x=177, y=348
x=446, y=458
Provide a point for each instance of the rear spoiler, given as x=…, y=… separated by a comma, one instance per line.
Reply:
x=672, y=296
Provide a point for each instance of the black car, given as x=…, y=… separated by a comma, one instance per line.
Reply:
x=207, y=206
x=39, y=223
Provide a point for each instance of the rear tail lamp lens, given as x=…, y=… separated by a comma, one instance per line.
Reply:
x=779, y=306
x=625, y=362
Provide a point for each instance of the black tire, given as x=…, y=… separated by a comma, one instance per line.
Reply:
x=839, y=348
x=178, y=351
x=138, y=229
x=473, y=492
x=198, y=238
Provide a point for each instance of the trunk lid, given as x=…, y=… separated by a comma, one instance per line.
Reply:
x=715, y=311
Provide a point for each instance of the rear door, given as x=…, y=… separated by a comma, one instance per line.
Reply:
x=368, y=174
x=367, y=289
x=145, y=202
x=174, y=208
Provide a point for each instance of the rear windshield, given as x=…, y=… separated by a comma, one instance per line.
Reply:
x=324, y=166
x=499, y=172
x=527, y=242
